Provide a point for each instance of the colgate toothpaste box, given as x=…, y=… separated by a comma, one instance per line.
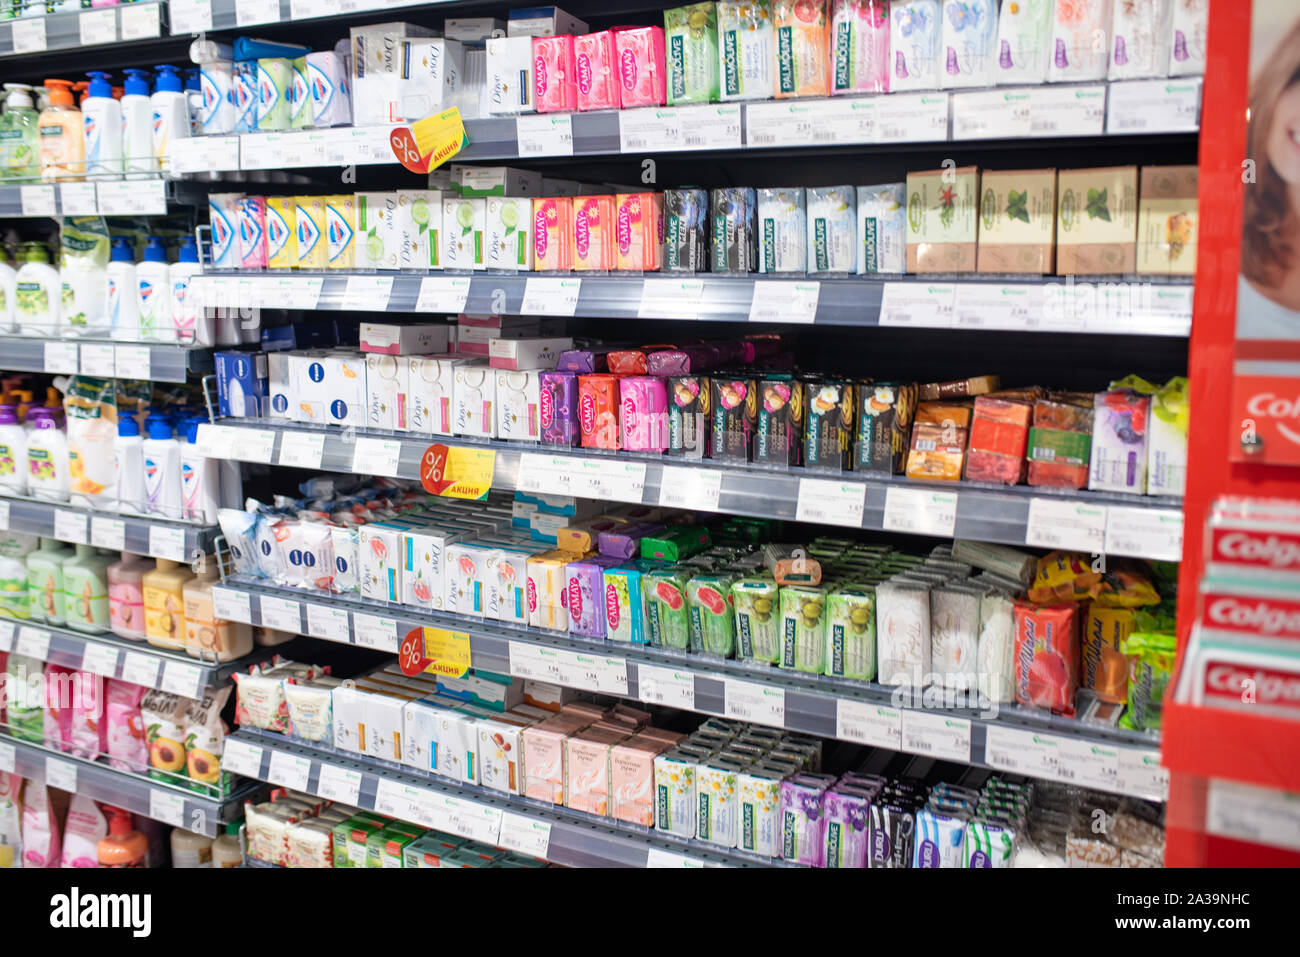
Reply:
x=1249, y=610
x=1254, y=538
x=1253, y=678
x=597, y=80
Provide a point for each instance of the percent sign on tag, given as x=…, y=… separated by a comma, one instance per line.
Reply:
x=430, y=142
x=457, y=472
x=435, y=650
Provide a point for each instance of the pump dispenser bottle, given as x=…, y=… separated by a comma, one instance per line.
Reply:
x=102, y=122
x=137, y=126
x=62, y=142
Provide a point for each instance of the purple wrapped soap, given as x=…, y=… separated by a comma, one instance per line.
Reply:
x=802, y=809
x=582, y=361
x=585, y=595
x=848, y=834
x=558, y=409
x=625, y=541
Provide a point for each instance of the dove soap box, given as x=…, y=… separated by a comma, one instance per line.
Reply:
x=419, y=224
x=510, y=75
x=942, y=221
x=429, y=400
x=1096, y=221
x=394, y=340
x=388, y=382
x=1017, y=221
x=1167, y=221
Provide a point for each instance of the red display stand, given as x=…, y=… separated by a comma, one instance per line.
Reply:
x=1201, y=743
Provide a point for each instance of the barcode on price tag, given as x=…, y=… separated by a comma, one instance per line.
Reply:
x=525, y=835
x=1154, y=106
x=749, y=701
x=376, y=456
x=936, y=736
x=328, y=623
x=868, y=723
x=665, y=686
x=831, y=502
x=289, y=770
x=1018, y=751
x=240, y=757
x=231, y=605
x=550, y=296
x=920, y=511
x=545, y=134
x=710, y=127
x=694, y=489
x=650, y=130
x=370, y=631
x=339, y=784
x=1060, y=523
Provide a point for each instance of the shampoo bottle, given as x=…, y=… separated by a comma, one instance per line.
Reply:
x=45, y=590
x=171, y=113
x=128, y=466
x=155, y=298
x=19, y=137
x=13, y=452
x=164, y=603
x=85, y=585
x=101, y=118
x=47, y=457
x=137, y=126
x=126, y=596
x=36, y=292
x=162, y=469
x=62, y=142
x=123, y=292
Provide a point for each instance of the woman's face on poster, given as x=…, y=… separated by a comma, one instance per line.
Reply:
x=1284, y=138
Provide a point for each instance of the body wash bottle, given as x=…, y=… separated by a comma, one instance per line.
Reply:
x=45, y=591
x=101, y=117
x=47, y=457
x=128, y=466
x=37, y=292
x=62, y=141
x=19, y=137
x=123, y=295
x=13, y=452
x=85, y=586
x=126, y=595
x=154, y=292
x=162, y=469
x=164, y=603
x=207, y=636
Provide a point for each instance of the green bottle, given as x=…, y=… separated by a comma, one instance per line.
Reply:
x=45, y=581
x=19, y=149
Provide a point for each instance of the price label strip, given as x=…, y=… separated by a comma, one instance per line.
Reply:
x=831, y=502
x=936, y=736
x=665, y=686
x=918, y=511
x=868, y=723
x=749, y=701
x=1062, y=524
x=694, y=489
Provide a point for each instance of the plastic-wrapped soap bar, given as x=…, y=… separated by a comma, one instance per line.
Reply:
x=1024, y=41
x=691, y=35
x=969, y=38
x=1080, y=41
x=914, y=39
x=954, y=635
x=860, y=46
x=882, y=229
x=625, y=540
x=851, y=633
x=782, y=225
x=995, y=650
x=902, y=632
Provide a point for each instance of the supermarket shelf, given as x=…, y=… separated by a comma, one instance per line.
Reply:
x=114, y=657
x=157, y=362
x=1003, y=737
x=81, y=29
x=118, y=197
x=177, y=806
x=1134, y=306
x=1256, y=749
x=157, y=538
x=194, y=16
x=1142, y=526
x=572, y=838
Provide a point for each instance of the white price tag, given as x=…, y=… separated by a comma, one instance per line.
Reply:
x=1018, y=751
x=713, y=126
x=818, y=122
x=652, y=130
x=198, y=154
x=544, y=134
x=328, y=623
x=1257, y=815
x=6, y=758
x=444, y=294
x=1141, y=774
x=367, y=293
x=38, y=200
x=167, y=542
x=251, y=445
x=550, y=296
x=132, y=362
x=373, y=632
x=1067, y=110
x=1088, y=764
x=671, y=298
x=78, y=199
x=749, y=701
x=402, y=801
x=282, y=614
x=831, y=502
x=29, y=35
x=1061, y=523
x=593, y=672
x=376, y=456
x=1155, y=106
x=936, y=736
x=33, y=642
x=990, y=305
x=97, y=360
x=339, y=784
x=920, y=304
x=545, y=474
x=240, y=757
x=1164, y=309
x=183, y=679
x=100, y=660
x=289, y=770
x=778, y=300
x=7, y=630
x=71, y=526
x=141, y=669
x=168, y=808
x=140, y=20
x=97, y=26
x=694, y=489
x=231, y=605
x=477, y=822
x=665, y=686
x=4, y=516
x=911, y=117
x=216, y=441
x=137, y=197
x=1145, y=532
x=609, y=479
x=302, y=450
x=867, y=723
x=524, y=835
x=919, y=511
x=61, y=775
x=190, y=16
x=991, y=114
x=657, y=858
x=61, y=357
x=251, y=12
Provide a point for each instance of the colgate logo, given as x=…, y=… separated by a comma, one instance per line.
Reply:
x=1247, y=548
x=623, y=227
x=575, y=599
x=532, y=595
x=540, y=234
x=1271, y=406
x=584, y=73
x=587, y=413
x=628, y=63
x=611, y=606
x=1264, y=617
x=539, y=74
x=582, y=234
x=1271, y=687
x=547, y=408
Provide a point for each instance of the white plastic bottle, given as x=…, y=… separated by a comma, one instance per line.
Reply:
x=101, y=117
x=123, y=292
x=128, y=466
x=192, y=326
x=171, y=113
x=162, y=469
x=8, y=291
x=200, y=481
x=155, y=292
x=47, y=456
x=13, y=452
x=37, y=292
x=137, y=126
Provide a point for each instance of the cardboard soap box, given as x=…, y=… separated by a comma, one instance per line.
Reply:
x=1017, y=230
x=1167, y=221
x=942, y=226
x=394, y=340
x=1096, y=221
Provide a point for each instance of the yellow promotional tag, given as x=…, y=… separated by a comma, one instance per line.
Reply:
x=447, y=651
x=457, y=472
x=430, y=142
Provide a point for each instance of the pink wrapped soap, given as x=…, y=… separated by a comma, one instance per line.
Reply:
x=593, y=55
x=642, y=70
x=553, y=75
x=644, y=402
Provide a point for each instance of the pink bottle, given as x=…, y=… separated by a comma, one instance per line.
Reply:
x=642, y=66
x=644, y=413
x=126, y=595
x=598, y=85
x=553, y=75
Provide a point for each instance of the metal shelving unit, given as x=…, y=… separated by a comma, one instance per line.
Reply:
x=572, y=838
x=172, y=805
x=81, y=29
x=117, y=197
x=155, y=537
x=155, y=361
x=1003, y=737
x=114, y=657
